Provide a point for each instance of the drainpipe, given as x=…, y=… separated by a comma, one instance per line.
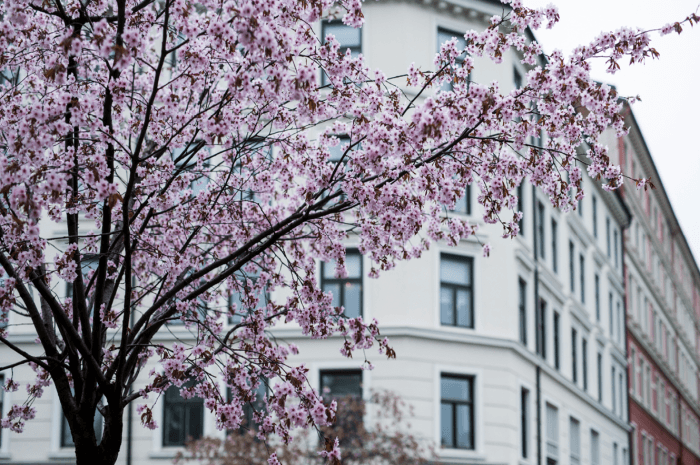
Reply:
x=539, y=339
x=680, y=425
x=130, y=412
x=129, y=428
x=630, y=376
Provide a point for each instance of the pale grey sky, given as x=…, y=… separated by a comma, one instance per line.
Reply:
x=669, y=87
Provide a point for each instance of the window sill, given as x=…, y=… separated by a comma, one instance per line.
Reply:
x=166, y=453
x=457, y=456
x=62, y=454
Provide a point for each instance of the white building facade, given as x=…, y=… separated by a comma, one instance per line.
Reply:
x=518, y=358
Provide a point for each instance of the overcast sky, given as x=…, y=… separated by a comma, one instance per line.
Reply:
x=669, y=87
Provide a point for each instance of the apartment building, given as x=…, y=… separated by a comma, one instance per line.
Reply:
x=663, y=310
x=519, y=358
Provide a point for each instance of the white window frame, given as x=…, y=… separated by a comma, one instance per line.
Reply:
x=478, y=453
x=158, y=451
x=464, y=250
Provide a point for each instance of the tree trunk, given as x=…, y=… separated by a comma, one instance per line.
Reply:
x=87, y=451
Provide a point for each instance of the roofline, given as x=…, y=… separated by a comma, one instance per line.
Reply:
x=676, y=231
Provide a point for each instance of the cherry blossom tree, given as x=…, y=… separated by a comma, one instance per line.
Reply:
x=186, y=150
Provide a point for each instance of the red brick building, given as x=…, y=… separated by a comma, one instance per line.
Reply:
x=663, y=315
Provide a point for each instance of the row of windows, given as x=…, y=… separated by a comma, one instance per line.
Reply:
x=456, y=288
x=579, y=350
x=662, y=337
x=613, y=238
x=651, y=455
x=183, y=419
x=350, y=39
x=651, y=390
x=552, y=450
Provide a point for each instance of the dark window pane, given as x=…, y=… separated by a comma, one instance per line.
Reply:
x=258, y=404
x=347, y=292
x=341, y=383
x=353, y=305
x=345, y=35
x=446, y=425
x=463, y=204
x=67, y=437
x=195, y=421
x=445, y=35
x=182, y=418
x=464, y=313
x=337, y=152
x=455, y=389
x=353, y=264
x=522, y=310
x=456, y=291
x=174, y=425
x=333, y=288
x=464, y=427
x=457, y=415
x=455, y=271
x=446, y=306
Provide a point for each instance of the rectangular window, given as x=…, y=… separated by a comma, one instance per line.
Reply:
x=345, y=387
x=555, y=329
x=574, y=366
x=552, y=435
x=464, y=204
x=540, y=229
x=444, y=35
x=347, y=292
x=249, y=408
x=337, y=152
x=607, y=234
x=348, y=37
x=614, y=394
x=572, y=277
x=244, y=302
x=574, y=441
x=340, y=383
x=595, y=217
x=597, y=297
x=582, y=277
x=633, y=370
x=600, y=377
x=457, y=412
x=620, y=322
x=66, y=436
x=612, y=316
x=595, y=444
x=580, y=208
x=555, y=256
x=584, y=362
x=521, y=231
x=456, y=295
x=614, y=454
x=185, y=160
x=524, y=422
x=183, y=419
x=617, y=263
x=542, y=329
x=621, y=392
x=522, y=310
